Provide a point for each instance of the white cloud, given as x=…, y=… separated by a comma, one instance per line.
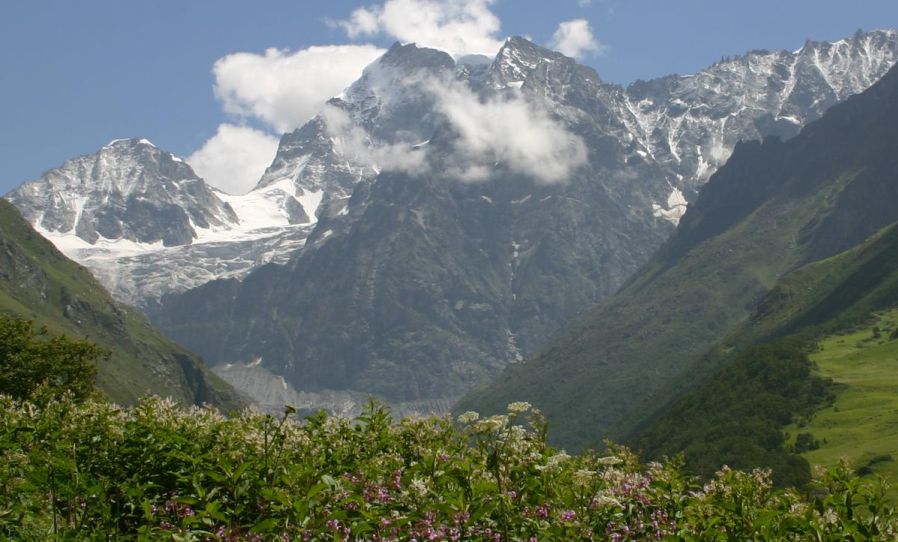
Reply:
x=234, y=158
x=574, y=38
x=584, y=3
x=457, y=26
x=510, y=131
x=285, y=89
x=355, y=144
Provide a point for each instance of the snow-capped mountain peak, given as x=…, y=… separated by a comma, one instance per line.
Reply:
x=129, y=190
x=147, y=225
x=691, y=123
x=517, y=59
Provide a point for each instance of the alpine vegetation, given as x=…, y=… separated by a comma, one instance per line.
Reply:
x=91, y=470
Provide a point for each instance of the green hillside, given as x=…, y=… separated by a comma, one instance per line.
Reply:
x=737, y=417
x=837, y=296
x=38, y=283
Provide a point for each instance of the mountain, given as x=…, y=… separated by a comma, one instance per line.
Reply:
x=145, y=224
x=692, y=123
x=448, y=261
x=130, y=191
x=774, y=207
x=38, y=283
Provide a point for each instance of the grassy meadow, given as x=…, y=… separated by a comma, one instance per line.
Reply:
x=862, y=424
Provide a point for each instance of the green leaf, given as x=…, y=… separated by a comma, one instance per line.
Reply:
x=266, y=525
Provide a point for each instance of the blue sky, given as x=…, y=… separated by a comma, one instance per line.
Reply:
x=78, y=74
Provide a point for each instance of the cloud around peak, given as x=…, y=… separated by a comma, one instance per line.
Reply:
x=285, y=89
x=508, y=130
x=276, y=91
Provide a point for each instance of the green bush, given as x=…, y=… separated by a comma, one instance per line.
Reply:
x=805, y=442
x=32, y=361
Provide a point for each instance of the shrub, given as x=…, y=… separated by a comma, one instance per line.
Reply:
x=31, y=360
x=805, y=442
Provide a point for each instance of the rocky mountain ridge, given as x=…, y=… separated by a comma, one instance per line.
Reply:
x=140, y=217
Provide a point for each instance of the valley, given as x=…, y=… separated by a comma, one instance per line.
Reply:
x=479, y=292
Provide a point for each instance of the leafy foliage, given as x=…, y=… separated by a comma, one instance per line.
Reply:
x=737, y=416
x=156, y=471
x=31, y=360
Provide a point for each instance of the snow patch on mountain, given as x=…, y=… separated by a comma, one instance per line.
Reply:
x=675, y=208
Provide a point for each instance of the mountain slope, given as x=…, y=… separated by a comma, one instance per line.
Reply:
x=859, y=426
x=736, y=416
x=824, y=302
x=773, y=207
x=37, y=282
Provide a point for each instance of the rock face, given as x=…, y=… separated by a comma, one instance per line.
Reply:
x=438, y=258
x=692, y=123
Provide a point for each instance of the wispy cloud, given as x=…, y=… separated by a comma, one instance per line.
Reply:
x=353, y=142
x=509, y=130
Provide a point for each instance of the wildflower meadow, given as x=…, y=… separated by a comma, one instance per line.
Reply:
x=91, y=470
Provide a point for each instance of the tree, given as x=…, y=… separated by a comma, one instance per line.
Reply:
x=32, y=359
